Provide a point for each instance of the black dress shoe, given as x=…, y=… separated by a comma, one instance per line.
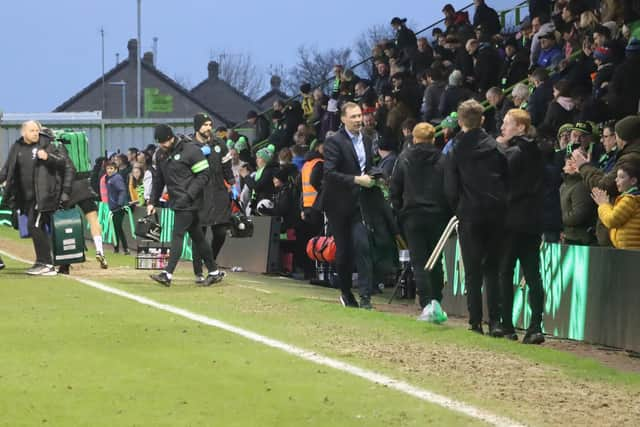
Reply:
x=212, y=279
x=365, y=303
x=348, y=300
x=162, y=278
x=477, y=328
x=510, y=334
x=64, y=269
x=495, y=330
x=533, y=337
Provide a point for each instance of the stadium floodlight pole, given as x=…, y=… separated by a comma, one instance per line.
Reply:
x=138, y=69
x=123, y=86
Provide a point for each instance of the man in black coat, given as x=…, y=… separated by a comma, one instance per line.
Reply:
x=486, y=17
x=34, y=175
x=523, y=223
x=216, y=208
x=184, y=170
x=485, y=66
x=475, y=184
x=263, y=129
x=348, y=158
x=541, y=96
x=417, y=197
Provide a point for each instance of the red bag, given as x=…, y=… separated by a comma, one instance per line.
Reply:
x=322, y=248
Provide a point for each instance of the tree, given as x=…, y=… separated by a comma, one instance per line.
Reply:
x=315, y=66
x=241, y=72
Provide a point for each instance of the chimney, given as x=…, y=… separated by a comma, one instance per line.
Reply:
x=275, y=82
x=214, y=70
x=132, y=46
x=147, y=58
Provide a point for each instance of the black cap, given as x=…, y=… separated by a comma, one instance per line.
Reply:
x=398, y=21
x=583, y=127
x=162, y=133
x=305, y=88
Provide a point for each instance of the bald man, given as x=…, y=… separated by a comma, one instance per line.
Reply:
x=33, y=175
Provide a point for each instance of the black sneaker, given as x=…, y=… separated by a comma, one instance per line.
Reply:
x=1, y=264
x=495, y=330
x=365, y=303
x=162, y=278
x=533, y=337
x=348, y=300
x=212, y=279
x=477, y=328
x=127, y=252
x=64, y=269
x=510, y=334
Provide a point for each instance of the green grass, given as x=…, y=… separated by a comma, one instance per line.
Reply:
x=72, y=355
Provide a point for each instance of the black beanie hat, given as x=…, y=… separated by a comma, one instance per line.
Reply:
x=200, y=119
x=305, y=88
x=162, y=133
x=628, y=129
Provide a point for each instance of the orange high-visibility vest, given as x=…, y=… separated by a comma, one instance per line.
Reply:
x=309, y=193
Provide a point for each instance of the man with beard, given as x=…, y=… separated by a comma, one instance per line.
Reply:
x=216, y=210
x=185, y=171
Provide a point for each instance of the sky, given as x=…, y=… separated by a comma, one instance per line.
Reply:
x=52, y=49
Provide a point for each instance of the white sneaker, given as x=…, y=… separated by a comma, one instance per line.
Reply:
x=42, y=270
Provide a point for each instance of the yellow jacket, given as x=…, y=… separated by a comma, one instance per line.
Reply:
x=623, y=221
x=307, y=106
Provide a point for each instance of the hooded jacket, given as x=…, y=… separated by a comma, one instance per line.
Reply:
x=417, y=182
x=48, y=179
x=475, y=180
x=578, y=210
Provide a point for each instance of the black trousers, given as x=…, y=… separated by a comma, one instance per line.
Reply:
x=187, y=221
x=524, y=247
x=219, y=235
x=422, y=233
x=36, y=223
x=352, y=244
x=481, y=249
x=121, y=239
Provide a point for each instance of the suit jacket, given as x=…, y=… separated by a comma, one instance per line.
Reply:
x=340, y=193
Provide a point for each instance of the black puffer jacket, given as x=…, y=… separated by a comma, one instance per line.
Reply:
x=417, y=182
x=526, y=185
x=49, y=176
x=185, y=172
x=216, y=204
x=475, y=181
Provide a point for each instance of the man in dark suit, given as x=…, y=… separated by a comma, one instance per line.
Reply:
x=347, y=158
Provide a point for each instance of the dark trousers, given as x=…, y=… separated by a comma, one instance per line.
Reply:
x=524, y=247
x=36, y=223
x=422, y=233
x=352, y=244
x=480, y=244
x=304, y=232
x=219, y=235
x=187, y=221
x=121, y=239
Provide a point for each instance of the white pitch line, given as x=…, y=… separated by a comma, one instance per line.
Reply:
x=311, y=356
x=254, y=289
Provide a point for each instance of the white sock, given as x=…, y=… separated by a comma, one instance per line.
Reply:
x=97, y=240
x=214, y=272
x=169, y=275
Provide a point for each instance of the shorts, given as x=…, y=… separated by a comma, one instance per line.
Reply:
x=87, y=205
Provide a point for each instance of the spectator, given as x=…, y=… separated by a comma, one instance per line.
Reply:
x=550, y=52
x=382, y=80
x=475, y=184
x=307, y=101
x=320, y=101
x=423, y=58
x=123, y=165
x=417, y=197
x=388, y=155
x=278, y=135
x=578, y=209
x=453, y=94
x=432, y=94
x=407, y=133
x=516, y=64
x=449, y=129
x=520, y=96
x=485, y=60
x=628, y=142
x=608, y=138
x=454, y=21
x=293, y=116
x=132, y=154
x=486, y=17
x=582, y=139
x=501, y=104
x=366, y=97
x=623, y=218
x=261, y=183
x=136, y=184
x=406, y=41
x=539, y=25
x=261, y=125
x=560, y=111
x=398, y=113
x=603, y=58
x=523, y=222
x=541, y=96
x=117, y=201
x=624, y=94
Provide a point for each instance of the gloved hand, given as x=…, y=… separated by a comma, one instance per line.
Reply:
x=206, y=150
x=64, y=201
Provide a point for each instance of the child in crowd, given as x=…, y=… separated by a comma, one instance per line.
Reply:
x=117, y=194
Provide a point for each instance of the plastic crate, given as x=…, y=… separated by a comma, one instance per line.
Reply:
x=152, y=255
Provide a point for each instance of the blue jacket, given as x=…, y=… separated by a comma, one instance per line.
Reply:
x=550, y=57
x=117, y=191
